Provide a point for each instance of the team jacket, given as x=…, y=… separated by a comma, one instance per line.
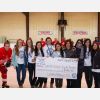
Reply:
x=5, y=55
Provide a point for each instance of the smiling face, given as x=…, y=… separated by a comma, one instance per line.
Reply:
x=58, y=47
x=95, y=46
x=49, y=41
x=20, y=43
x=39, y=45
x=79, y=43
x=29, y=43
x=7, y=46
x=68, y=45
x=87, y=43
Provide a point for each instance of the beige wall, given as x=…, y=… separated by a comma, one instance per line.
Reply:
x=87, y=22
x=43, y=22
x=12, y=25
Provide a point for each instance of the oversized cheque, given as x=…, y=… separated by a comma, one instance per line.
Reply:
x=56, y=67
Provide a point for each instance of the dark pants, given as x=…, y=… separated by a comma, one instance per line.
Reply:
x=45, y=80
x=52, y=80
x=39, y=82
x=88, y=76
x=79, y=77
x=71, y=83
x=58, y=83
x=96, y=79
x=31, y=69
x=21, y=78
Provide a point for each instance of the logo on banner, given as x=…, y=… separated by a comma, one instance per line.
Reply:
x=45, y=32
x=80, y=33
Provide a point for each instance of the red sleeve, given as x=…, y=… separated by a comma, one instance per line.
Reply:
x=0, y=53
x=1, y=56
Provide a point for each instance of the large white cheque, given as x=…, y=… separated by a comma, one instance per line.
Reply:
x=56, y=67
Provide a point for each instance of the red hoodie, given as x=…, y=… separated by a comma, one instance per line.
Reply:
x=5, y=55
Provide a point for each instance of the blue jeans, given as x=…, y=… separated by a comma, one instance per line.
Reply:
x=21, y=78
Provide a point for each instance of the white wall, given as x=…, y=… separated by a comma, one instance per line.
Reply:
x=13, y=25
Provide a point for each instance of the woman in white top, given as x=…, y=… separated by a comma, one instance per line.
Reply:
x=39, y=53
x=48, y=52
x=88, y=63
x=31, y=63
x=58, y=53
x=19, y=61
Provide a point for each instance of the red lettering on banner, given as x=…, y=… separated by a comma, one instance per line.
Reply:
x=45, y=33
x=80, y=33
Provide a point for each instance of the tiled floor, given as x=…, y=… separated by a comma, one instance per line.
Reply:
x=13, y=82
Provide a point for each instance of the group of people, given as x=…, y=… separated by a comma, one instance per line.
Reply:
x=24, y=56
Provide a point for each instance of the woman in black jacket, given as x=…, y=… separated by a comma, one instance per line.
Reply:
x=70, y=53
x=96, y=65
x=79, y=52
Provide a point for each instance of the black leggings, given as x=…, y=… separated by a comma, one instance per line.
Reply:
x=31, y=69
x=39, y=82
x=88, y=76
x=45, y=80
x=79, y=76
x=96, y=79
x=58, y=83
x=71, y=83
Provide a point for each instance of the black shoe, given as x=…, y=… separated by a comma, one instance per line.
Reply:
x=40, y=86
x=32, y=86
x=5, y=86
x=20, y=86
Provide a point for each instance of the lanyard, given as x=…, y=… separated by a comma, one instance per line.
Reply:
x=50, y=52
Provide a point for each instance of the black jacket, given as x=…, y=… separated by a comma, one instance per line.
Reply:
x=81, y=60
x=96, y=60
x=70, y=53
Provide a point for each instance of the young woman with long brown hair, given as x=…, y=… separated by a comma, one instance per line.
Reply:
x=19, y=61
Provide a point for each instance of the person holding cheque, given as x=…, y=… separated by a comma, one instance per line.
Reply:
x=58, y=53
x=39, y=53
x=48, y=52
x=70, y=53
